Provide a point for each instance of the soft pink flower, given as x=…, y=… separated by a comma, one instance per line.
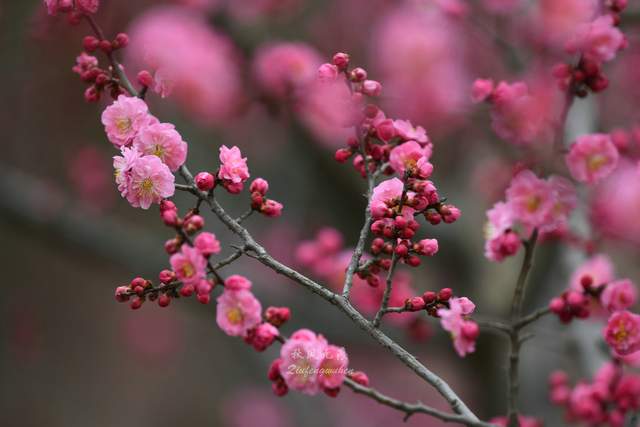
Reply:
x=189, y=265
x=198, y=65
x=564, y=194
x=622, y=332
x=407, y=132
x=84, y=63
x=162, y=140
x=283, y=69
x=88, y=6
x=592, y=158
x=384, y=195
x=237, y=282
x=619, y=295
x=598, y=267
x=238, y=311
x=500, y=241
x=599, y=40
x=124, y=118
x=481, y=90
x=333, y=367
x=411, y=156
x=207, y=243
x=272, y=208
x=122, y=166
x=615, y=204
x=233, y=170
x=301, y=357
x=428, y=247
x=530, y=198
x=150, y=181
x=55, y=6
x=522, y=116
x=453, y=319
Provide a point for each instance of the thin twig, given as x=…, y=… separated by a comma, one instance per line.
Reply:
x=411, y=408
x=387, y=292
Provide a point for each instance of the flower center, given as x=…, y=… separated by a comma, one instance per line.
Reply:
x=533, y=203
x=621, y=333
x=595, y=162
x=158, y=151
x=234, y=316
x=146, y=186
x=123, y=124
x=188, y=270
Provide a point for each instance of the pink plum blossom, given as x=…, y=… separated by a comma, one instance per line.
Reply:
x=122, y=166
x=333, y=367
x=302, y=356
x=599, y=40
x=622, y=332
x=530, y=199
x=189, y=265
x=411, y=157
x=453, y=319
x=150, y=181
x=262, y=336
x=238, y=311
x=237, y=282
x=283, y=69
x=191, y=60
x=163, y=141
x=500, y=242
x=385, y=194
x=619, y=295
x=124, y=118
x=592, y=158
x=233, y=169
x=207, y=243
x=408, y=132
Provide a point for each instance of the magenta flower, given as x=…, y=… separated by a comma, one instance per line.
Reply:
x=411, y=157
x=237, y=282
x=333, y=367
x=238, y=311
x=500, y=241
x=189, y=265
x=301, y=357
x=622, y=332
x=530, y=198
x=619, y=295
x=124, y=118
x=163, y=141
x=592, y=158
x=207, y=243
x=122, y=166
x=233, y=170
x=454, y=319
x=150, y=181
x=407, y=132
x=385, y=194
x=598, y=41
x=481, y=90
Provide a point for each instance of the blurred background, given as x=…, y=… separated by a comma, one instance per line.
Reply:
x=70, y=355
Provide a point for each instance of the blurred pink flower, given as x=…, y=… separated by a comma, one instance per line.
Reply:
x=598, y=267
x=598, y=41
x=619, y=295
x=201, y=65
x=592, y=158
x=284, y=69
x=615, y=204
x=622, y=332
x=530, y=198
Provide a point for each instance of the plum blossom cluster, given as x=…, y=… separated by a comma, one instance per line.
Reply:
x=595, y=43
x=594, y=289
x=309, y=364
x=532, y=203
x=606, y=400
x=73, y=8
x=150, y=151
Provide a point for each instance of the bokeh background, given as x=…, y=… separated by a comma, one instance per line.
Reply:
x=70, y=355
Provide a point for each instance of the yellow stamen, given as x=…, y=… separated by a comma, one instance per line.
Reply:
x=234, y=316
